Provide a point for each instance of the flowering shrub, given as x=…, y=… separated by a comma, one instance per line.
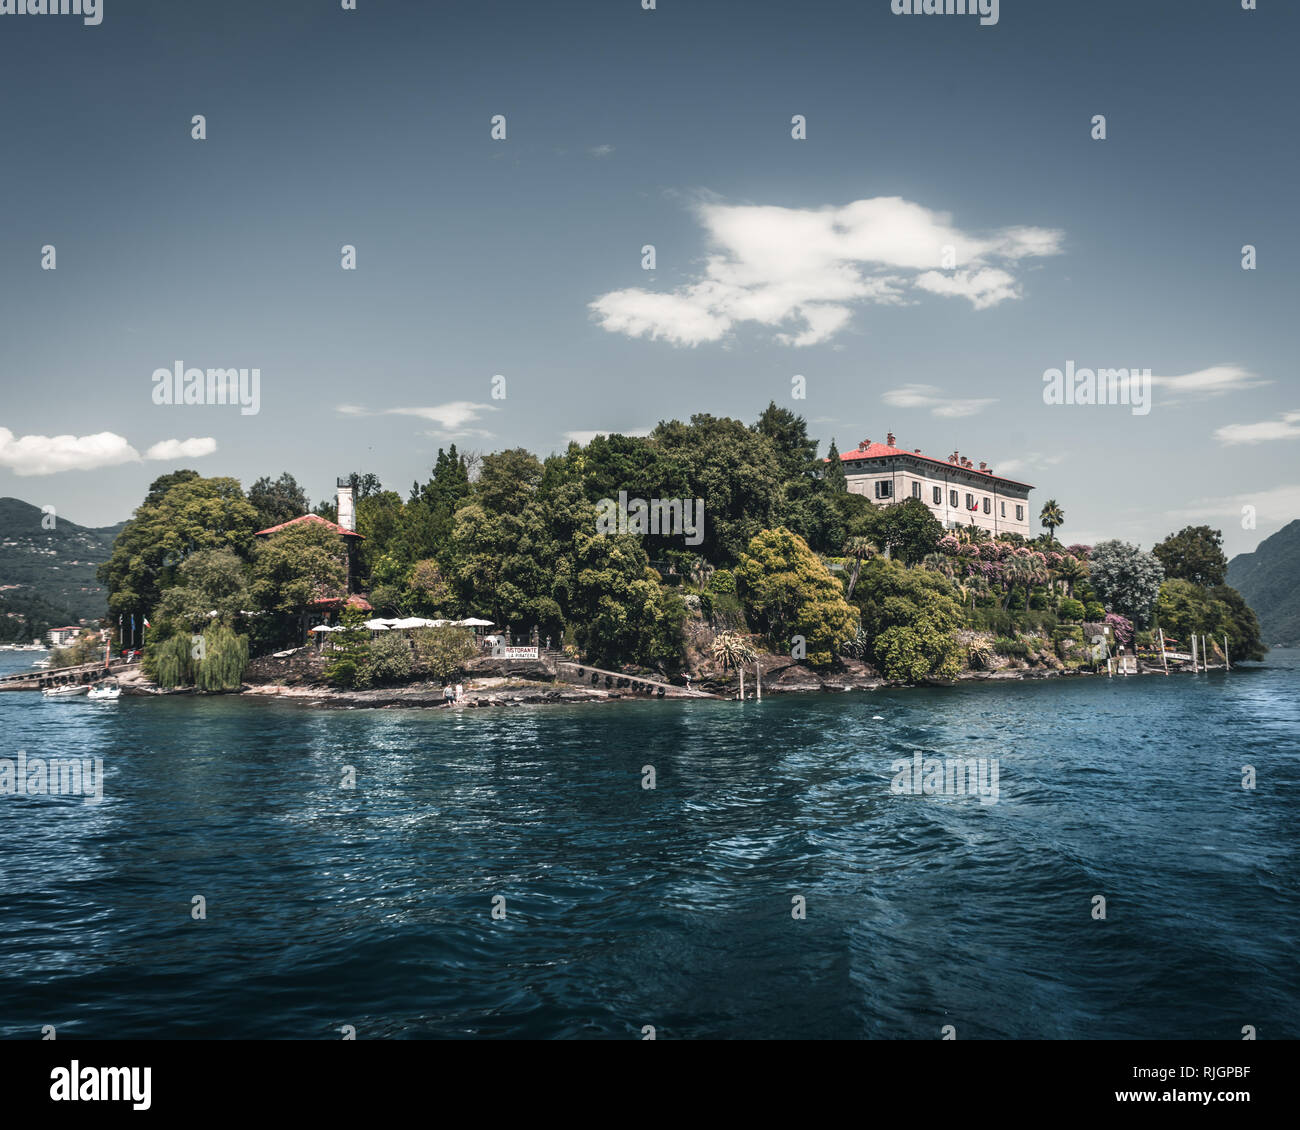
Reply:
x=947, y=544
x=1082, y=552
x=1121, y=627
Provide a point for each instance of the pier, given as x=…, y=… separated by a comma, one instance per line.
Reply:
x=39, y=679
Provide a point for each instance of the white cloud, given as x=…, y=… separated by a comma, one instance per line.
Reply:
x=48, y=455
x=1033, y=461
x=601, y=150
x=452, y=418
x=193, y=448
x=983, y=288
x=1288, y=427
x=939, y=404
x=1278, y=504
x=1215, y=380
x=807, y=268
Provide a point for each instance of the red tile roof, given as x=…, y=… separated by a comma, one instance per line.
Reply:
x=310, y=518
x=881, y=450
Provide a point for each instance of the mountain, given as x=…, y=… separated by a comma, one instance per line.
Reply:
x=47, y=576
x=1269, y=579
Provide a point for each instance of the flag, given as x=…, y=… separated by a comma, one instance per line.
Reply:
x=133, y=623
x=146, y=621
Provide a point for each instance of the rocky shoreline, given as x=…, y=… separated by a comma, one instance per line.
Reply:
x=535, y=687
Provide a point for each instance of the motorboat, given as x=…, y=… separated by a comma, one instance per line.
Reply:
x=105, y=692
x=67, y=690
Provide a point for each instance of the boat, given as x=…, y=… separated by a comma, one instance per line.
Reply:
x=67, y=690
x=105, y=691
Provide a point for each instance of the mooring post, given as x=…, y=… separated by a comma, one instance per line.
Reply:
x=758, y=682
x=1227, y=663
x=1193, y=653
x=742, y=682
x=1163, y=658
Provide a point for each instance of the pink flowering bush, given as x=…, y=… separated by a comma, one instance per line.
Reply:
x=1121, y=627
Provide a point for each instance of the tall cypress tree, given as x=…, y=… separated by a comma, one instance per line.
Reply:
x=835, y=477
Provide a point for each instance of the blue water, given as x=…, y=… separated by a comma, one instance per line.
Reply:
x=627, y=907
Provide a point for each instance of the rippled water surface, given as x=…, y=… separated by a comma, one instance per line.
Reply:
x=671, y=907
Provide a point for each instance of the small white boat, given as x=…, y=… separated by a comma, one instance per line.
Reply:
x=105, y=692
x=68, y=690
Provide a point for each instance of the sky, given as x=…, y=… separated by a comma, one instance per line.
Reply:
x=947, y=231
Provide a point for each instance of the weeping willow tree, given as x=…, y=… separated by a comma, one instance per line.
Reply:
x=170, y=663
x=223, y=658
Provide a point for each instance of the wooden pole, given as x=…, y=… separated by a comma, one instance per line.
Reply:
x=1163, y=657
x=742, y=682
x=758, y=682
x=1227, y=663
x=1193, y=653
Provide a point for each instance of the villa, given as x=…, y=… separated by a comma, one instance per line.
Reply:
x=329, y=604
x=957, y=492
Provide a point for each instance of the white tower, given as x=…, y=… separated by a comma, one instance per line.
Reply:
x=347, y=516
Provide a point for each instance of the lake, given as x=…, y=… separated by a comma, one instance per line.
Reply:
x=675, y=907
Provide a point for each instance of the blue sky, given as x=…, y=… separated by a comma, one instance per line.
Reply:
x=671, y=127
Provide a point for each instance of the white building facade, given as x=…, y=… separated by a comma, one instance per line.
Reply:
x=958, y=492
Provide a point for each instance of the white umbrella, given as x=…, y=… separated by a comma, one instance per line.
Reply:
x=379, y=625
x=415, y=622
x=474, y=623
x=325, y=628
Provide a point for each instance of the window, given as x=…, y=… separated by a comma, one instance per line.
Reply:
x=952, y=498
x=916, y=489
x=884, y=488
x=988, y=507
x=970, y=502
x=938, y=496
x=1004, y=508
x=1020, y=513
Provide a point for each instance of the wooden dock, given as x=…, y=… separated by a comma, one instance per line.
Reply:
x=597, y=677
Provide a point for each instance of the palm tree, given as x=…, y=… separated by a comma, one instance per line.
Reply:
x=732, y=650
x=860, y=549
x=939, y=563
x=701, y=572
x=1051, y=517
x=1071, y=570
x=1034, y=573
x=1014, y=571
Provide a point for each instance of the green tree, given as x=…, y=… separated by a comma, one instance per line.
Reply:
x=442, y=653
x=222, y=660
x=349, y=651
x=910, y=617
x=211, y=580
x=182, y=514
x=795, y=451
x=860, y=549
x=836, y=480
x=619, y=611
x=734, y=470
x=1052, y=517
x=1194, y=554
x=906, y=530
x=277, y=500
x=788, y=592
x=1126, y=579
x=291, y=569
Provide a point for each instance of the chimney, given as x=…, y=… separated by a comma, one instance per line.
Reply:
x=916, y=451
x=864, y=445
x=889, y=439
x=983, y=465
x=347, y=514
